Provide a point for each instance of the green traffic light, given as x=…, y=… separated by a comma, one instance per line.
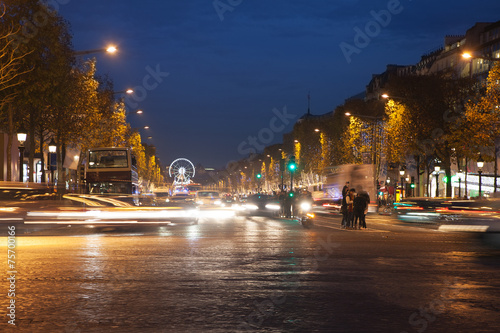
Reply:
x=292, y=167
x=258, y=176
x=290, y=194
x=412, y=185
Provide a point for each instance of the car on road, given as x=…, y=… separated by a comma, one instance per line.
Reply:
x=228, y=200
x=208, y=198
x=481, y=217
x=327, y=206
x=420, y=210
x=260, y=204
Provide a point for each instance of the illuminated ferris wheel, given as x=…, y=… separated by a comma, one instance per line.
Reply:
x=182, y=170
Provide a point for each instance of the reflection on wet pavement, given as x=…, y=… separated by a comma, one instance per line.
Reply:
x=250, y=274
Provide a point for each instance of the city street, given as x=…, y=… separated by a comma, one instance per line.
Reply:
x=182, y=166
x=258, y=274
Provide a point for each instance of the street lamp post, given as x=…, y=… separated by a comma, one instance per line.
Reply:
x=21, y=137
x=460, y=175
x=402, y=174
x=135, y=112
x=480, y=165
x=437, y=168
x=110, y=49
x=52, y=150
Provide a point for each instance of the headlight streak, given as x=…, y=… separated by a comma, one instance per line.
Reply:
x=467, y=228
x=83, y=200
x=8, y=209
x=111, y=216
x=272, y=206
x=251, y=207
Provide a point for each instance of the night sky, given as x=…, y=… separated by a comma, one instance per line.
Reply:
x=207, y=78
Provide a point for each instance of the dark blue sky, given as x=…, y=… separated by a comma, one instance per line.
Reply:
x=229, y=68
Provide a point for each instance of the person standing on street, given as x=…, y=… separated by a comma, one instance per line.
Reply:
x=359, y=207
x=350, y=201
x=343, y=207
x=362, y=220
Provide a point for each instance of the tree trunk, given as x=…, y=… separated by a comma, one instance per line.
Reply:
x=31, y=137
x=10, y=141
x=447, y=169
x=42, y=159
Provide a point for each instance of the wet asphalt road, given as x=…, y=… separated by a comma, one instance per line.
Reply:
x=252, y=274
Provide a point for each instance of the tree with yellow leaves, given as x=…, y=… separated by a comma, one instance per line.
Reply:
x=426, y=121
x=398, y=127
x=481, y=126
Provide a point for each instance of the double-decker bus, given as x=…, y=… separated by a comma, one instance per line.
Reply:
x=189, y=189
x=111, y=170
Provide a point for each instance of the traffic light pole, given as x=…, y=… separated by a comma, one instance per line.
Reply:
x=292, y=167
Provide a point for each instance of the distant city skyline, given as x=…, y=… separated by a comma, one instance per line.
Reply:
x=212, y=76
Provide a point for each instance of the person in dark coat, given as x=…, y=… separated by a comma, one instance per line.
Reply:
x=350, y=207
x=343, y=208
x=362, y=218
x=359, y=206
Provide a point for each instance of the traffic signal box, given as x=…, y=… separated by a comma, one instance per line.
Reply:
x=292, y=165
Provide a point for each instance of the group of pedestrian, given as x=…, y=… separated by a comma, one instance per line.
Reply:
x=354, y=208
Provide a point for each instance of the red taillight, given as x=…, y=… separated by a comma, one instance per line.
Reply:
x=408, y=208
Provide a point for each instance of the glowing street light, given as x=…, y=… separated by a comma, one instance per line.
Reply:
x=437, y=168
x=469, y=56
x=466, y=55
x=480, y=165
x=111, y=49
x=128, y=92
x=52, y=146
x=348, y=114
x=21, y=137
x=387, y=96
x=52, y=150
x=135, y=112
x=402, y=174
